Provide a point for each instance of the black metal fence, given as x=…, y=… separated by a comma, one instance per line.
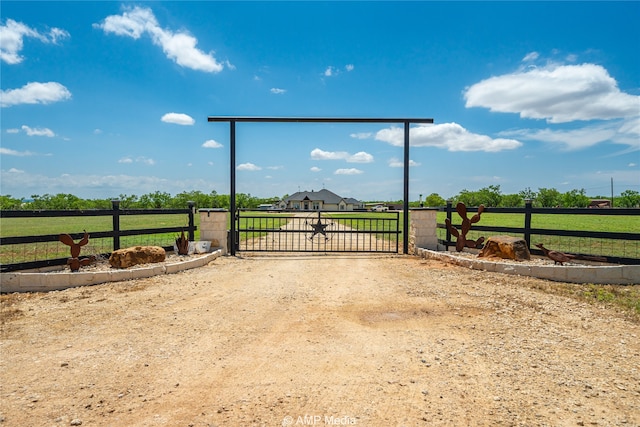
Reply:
x=616, y=247
x=317, y=231
x=115, y=234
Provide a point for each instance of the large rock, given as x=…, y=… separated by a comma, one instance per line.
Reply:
x=506, y=247
x=124, y=258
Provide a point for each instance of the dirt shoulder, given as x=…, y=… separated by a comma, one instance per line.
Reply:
x=365, y=340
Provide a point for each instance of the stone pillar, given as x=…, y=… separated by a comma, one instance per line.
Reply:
x=213, y=228
x=422, y=230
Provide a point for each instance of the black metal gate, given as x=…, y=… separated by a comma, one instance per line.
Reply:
x=316, y=231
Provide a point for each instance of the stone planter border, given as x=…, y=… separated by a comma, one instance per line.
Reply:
x=44, y=282
x=608, y=274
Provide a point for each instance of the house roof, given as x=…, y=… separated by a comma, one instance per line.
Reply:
x=323, y=195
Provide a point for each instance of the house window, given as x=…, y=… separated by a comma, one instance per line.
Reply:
x=342, y=207
x=296, y=206
x=316, y=206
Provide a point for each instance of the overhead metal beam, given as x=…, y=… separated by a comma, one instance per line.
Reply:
x=244, y=119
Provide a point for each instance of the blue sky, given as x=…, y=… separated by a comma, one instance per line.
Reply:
x=108, y=98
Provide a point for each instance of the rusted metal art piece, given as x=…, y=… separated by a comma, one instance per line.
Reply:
x=560, y=257
x=75, y=262
x=461, y=236
x=182, y=243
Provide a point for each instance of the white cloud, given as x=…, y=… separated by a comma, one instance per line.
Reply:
x=38, y=131
x=360, y=157
x=35, y=93
x=14, y=170
x=248, y=167
x=329, y=71
x=351, y=171
x=9, y=152
x=318, y=154
x=626, y=132
x=278, y=91
x=275, y=168
x=394, y=162
x=13, y=130
x=558, y=94
x=361, y=135
x=12, y=36
x=97, y=131
x=450, y=136
x=632, y=165
x=179, y=47
x=349, y=67
x=531, y=56
x=211, y=143
x=140, y=159
x=178, y=119
x=315, y=169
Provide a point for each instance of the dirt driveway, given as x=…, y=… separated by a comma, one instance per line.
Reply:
x=317, y=340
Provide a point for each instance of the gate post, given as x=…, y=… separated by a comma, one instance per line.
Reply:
x=423, y=230
x=213, y=228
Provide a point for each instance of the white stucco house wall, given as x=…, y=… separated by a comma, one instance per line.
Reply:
x=319, y=200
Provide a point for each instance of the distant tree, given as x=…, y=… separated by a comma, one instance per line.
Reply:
x=511, y=201
x=8, y=202
x=528, y=194
x=434, y=200
x=548, y=197
x=469, y=198
x=128, y=201
x=629, y=199
x=488, y=196
x=575, y=199
x=201, y=200
x=155, y=200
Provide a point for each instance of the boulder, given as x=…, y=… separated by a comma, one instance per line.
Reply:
x=128, y=257
x=506, y=247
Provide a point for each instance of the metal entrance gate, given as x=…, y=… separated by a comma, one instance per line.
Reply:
x=316, y=231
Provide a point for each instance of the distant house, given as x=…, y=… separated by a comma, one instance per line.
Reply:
x=319, y=200
x=600, y=203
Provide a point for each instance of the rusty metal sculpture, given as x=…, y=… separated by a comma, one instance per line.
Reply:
x=182, y=244
x=461, y=236
x=75, y=262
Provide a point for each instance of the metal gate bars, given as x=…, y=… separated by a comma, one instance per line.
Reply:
x=316, y=231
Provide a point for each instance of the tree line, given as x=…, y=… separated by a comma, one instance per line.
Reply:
x=490, y=196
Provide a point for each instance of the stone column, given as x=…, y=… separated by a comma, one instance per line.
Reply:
x=213, y=228
x=422, y=230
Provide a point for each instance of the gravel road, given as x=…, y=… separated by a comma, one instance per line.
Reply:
x=317, y=340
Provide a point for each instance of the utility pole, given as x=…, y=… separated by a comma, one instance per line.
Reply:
x=611, y=191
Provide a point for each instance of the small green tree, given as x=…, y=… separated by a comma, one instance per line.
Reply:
x=548, y=197
x=511, y=201
x=8, y=202
x=434, y=200
x=629, y=199
x=575, y=199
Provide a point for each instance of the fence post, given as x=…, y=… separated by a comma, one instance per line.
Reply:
x=527, y=222
x=192, y=236
x=115, y=205
x=448, y=237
